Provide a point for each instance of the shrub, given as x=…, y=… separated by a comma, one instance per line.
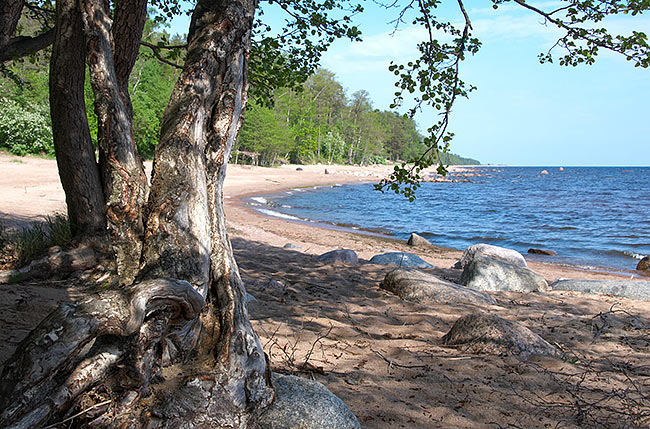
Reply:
x=24, y=128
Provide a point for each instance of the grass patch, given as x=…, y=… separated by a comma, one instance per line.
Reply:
x=30, y=243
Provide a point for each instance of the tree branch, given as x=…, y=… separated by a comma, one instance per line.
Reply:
x=155, y=49
x=19, y=47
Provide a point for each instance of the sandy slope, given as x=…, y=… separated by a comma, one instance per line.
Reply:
x=383, y=356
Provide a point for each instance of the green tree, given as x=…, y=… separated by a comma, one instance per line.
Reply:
x=261, y=133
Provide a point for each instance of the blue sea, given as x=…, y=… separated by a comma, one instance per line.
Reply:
x=593, y=217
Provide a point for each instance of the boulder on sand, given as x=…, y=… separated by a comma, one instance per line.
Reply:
x=345, y=256
x=416, y=286
x=401, y=259
x=418, y=241
x=305, y=404
x=496, y=275
x=484, y=333
x=625, y=288
x=495, y=252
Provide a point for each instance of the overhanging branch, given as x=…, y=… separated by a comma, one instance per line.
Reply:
x=19, y=47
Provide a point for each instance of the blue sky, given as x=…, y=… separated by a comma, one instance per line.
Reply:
x=524, y=112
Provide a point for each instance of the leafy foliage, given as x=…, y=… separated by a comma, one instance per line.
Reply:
x=25, y=128
x=319, y=123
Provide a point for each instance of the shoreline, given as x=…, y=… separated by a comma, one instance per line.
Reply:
x=274, y=230
x=30, y=189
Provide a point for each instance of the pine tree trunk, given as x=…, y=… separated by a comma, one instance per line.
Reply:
x=75, y=154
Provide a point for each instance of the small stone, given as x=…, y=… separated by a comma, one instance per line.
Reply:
x=542, y=252
x=345, y=256
x=543, y=172
x=401, y=259
x=292, y=246
x=418, y=240
x=299, y=169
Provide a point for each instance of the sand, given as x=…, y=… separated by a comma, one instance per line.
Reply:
x=384, y=357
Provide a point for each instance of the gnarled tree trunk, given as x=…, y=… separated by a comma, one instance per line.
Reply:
x=175, y=348
x=125, y=184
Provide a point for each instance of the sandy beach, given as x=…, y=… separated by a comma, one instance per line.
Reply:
x=383, y=356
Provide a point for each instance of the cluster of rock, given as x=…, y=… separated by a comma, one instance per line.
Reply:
x=485, y=268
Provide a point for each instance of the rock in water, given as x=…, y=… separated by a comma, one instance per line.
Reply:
x=418, y=240
x=508, y=255
x=291, y=246
x=305, y=404
x=644, y=264
x=625, y=288
x=401, y=259
x=544, y=172
x=484, y=333
x=346, y=256
x=542, y=252
x=416, y=286
x=495, y=275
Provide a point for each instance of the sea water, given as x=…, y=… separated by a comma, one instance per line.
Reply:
x=593, y=217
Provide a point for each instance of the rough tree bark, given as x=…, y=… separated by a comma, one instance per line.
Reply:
x=122, y=172
x=75, y=154
x=130, y=17
x=10, y=11
x=176, y=348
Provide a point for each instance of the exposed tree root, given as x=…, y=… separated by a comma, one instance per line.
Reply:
x=77, y=346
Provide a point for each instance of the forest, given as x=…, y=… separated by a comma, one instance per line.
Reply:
x=314, y=122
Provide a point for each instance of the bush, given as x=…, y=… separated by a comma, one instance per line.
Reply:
x=24, y=129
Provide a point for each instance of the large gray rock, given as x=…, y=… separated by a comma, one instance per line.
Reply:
x=495, y=275
x=494, y=335
x=346, y=256
x=644, y=264
x=416, y=286
x=305, y=404
x=625, y=288
x=489, y=251
x=401, y=259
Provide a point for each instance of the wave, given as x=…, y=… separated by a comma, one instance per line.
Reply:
x=278, y=214
x=626, y=253
x=260, y=200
